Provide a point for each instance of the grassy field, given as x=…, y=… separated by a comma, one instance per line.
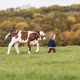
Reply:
x=62, y=65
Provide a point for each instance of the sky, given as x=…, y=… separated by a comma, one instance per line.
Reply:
x=4, y=4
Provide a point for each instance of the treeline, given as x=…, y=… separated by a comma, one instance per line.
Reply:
x=64, y=21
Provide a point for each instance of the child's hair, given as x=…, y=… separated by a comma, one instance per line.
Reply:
x=52, y=36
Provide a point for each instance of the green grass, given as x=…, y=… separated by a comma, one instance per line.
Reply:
x=62, y=65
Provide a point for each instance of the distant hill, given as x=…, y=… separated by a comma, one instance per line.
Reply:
x=64, y=21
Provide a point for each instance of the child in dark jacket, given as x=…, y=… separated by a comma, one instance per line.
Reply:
x=51, y=43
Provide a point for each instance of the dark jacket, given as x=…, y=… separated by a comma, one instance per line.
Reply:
x=51, y=43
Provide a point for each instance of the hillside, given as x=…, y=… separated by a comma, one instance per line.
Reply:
x=64, y=21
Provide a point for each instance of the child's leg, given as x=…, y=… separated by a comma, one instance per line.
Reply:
x=49, y=50
x=54, y=50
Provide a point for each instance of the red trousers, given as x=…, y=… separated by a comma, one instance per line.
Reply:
x=51, y=49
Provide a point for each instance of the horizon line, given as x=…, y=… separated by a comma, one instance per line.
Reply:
x=29, y=6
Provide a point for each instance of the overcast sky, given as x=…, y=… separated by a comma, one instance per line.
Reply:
x=35, y=3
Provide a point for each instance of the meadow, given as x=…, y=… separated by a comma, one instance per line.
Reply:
x=62, y=65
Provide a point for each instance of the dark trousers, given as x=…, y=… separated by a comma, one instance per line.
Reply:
x=51, y=49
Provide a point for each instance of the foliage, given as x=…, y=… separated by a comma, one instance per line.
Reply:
x=58, y=19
